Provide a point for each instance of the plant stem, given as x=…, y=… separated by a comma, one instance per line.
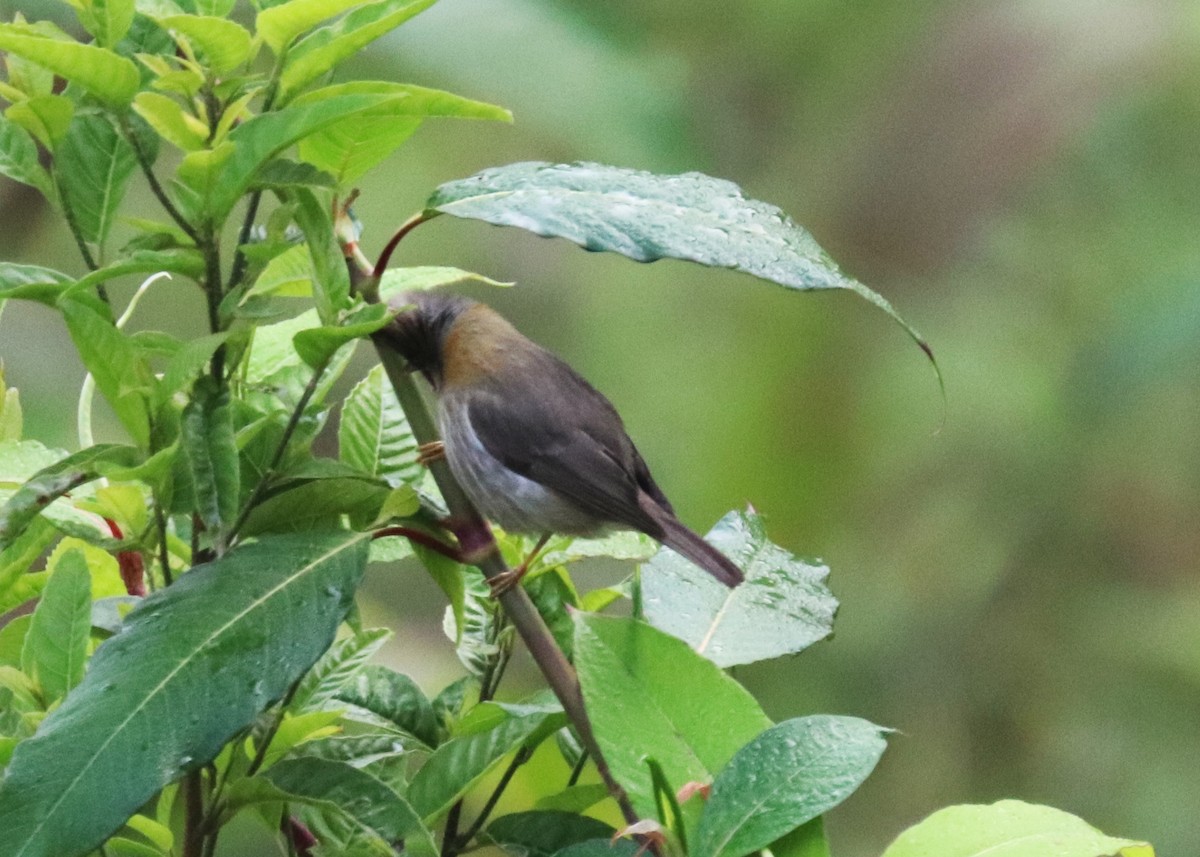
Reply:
x=293, y=423
x=239, y=258
x=193, y=839
x=421, y=538
x=405, y=228
x=577, y=771
x=450, y=834
x=164, y=552
x=518, y=760
x=155, y=187
x=84, y=250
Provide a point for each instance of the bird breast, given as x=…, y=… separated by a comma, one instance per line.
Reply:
x=503, y=496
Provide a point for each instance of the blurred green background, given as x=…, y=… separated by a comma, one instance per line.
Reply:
x=1021, y=178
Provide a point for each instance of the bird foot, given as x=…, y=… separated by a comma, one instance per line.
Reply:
x=505, y=581
x=427, y=453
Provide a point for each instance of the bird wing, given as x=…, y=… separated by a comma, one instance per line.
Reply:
x=551, y=426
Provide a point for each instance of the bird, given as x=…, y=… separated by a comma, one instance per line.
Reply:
x=536, y=448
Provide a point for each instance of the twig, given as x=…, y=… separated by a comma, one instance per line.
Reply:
x=193, y=840
x=577, y=771
x=155, y=187
x=84, y=250
x=310, y=390
x=405, y=228
x=519, y=759
x=164, y=552
x=421, y=538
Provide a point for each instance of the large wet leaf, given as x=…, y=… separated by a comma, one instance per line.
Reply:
x=649, y=217
x=785, y=777
x=783, y=606
x=193, y=665
x=1009, y=828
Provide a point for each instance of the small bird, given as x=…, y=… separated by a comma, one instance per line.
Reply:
x=536, y=447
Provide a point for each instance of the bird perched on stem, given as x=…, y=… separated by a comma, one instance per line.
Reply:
x=536, y=447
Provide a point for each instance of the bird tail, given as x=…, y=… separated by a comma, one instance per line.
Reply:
x=689, y=545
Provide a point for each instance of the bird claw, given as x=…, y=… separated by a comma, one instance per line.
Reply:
x=427, y=453
x=505, y=581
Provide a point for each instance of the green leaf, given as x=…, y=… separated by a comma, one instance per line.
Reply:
x=473, y=623
x=179, y=260
x=394, y=697
x=32, y=283
x=650, y=695
x=212, y=454
x=186, y=363
x=214, y=8
x=94, y=163
x=347, y=151
x=623, y=545
x=193, y=665
x=46, y=117
x=287, y=275
x=555, y=598
x=30, y=78
x=19, y=158
x=56, y=646
x=602, y=848
x=11, y=415
x=317, y=345
x=783, y=607
x=397, y=281
x=12, y=640
x=325, y=49
x=460, y=763
x=787, y=776
x=1009, y=828
x=649, y=217
x=336, y=667
x=281, y=174
x=364, y=800
x=543, y=833
x=224, y=43
x=167, y=117
x=374, y=435
x=808, y=840
x=316, y=504
x=20, y=554
x=110, y=77
x=107, y=20
x=121, y=372
x=278, y=25
x=55, y=480
x=330, y=279
x=574, y=799
x=221, y=179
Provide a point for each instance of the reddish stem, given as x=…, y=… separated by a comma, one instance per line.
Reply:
x=301, y=837
x=133, y=568
x=424, y=539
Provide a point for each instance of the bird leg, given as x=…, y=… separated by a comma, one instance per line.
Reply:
x=506, y=580
x=427, y=453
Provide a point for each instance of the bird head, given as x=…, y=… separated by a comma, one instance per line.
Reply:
x=419, y=332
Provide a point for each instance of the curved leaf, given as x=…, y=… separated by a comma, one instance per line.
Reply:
x=212, y=455
x=46, y=117
x=335, y=668
x=650, y=695
x=32, y=283
x=364, y=800
x=93, y=164
x=461, y=762
x=110, y=77
x=225, y=43
x=193, y=664
x=222, y=178
x=783, y=607
x=56, y=645
x=394, y=697
x=19, y=158
x=785, y=777
x=328, y=47
x=543, y=833
x=649, y=217
x=374, y=435
x=348, y=150
x=107, y=20
x=55, y=480
x=1009, y=828
x=278, y=25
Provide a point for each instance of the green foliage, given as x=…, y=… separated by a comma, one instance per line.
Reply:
x=1009, y=828
x=180, y=667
